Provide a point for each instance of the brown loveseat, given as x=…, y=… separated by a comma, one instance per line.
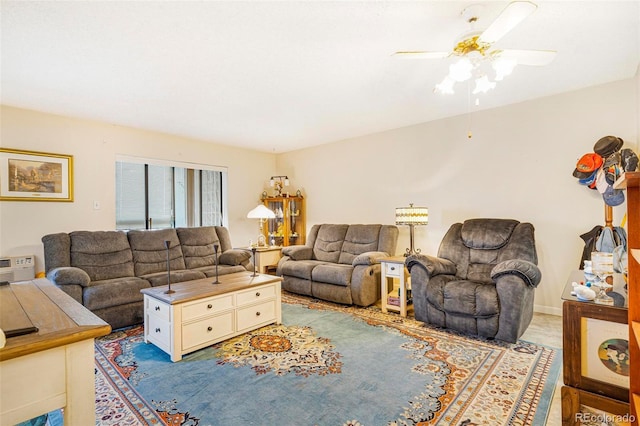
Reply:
x=339, y=263
x=105, y=270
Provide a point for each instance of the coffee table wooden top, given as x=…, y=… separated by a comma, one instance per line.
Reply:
x=198, y=289
x=60, y=319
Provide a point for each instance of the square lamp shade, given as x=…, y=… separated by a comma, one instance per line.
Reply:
x=261, y=213
x=412, y=216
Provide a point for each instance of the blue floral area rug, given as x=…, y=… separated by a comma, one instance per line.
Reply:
x=327, y=365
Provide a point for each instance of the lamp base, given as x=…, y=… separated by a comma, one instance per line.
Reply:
x=411, y=251
x=169, y=291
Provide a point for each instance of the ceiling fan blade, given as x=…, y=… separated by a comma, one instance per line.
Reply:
x=511, y=16
x=528, y=57
x=420, y=54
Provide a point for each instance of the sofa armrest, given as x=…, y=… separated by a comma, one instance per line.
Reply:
x=527, y=271
x=234, y=257
x=66, y=275
x=369, y=258
x=298, y=252
x=433, y=265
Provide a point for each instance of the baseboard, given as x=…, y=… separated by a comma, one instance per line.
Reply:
x=547, y=310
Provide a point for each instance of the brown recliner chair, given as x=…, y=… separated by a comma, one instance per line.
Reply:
x=483, y=280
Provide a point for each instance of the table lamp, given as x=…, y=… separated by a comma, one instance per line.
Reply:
x=412, y=216
x=261, y=213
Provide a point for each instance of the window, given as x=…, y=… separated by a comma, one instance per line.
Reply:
x=152, y=194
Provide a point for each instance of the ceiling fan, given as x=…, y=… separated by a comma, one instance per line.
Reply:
x=476, y=47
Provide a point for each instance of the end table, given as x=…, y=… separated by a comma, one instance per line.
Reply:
x=393, y=269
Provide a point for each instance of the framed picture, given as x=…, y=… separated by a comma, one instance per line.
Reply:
x=585, y=408
x=35, y=176
x=596, y=355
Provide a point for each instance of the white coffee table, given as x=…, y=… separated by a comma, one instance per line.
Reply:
x=200, y=313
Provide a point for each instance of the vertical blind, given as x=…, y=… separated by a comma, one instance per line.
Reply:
x=158, y=196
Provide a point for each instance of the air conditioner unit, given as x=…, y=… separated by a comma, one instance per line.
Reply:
x=17, y=268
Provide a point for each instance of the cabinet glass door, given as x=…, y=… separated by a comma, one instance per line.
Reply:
x=276, y=226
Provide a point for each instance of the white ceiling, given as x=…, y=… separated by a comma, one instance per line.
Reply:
x=283, y=75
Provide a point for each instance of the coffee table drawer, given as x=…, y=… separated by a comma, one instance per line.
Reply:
x=207, y=330
x=256, y=294
x=257, y=314
x=157, y=308
x=159, y=332
x=206, y=307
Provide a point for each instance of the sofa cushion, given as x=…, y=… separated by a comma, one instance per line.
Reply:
x=300, y=269
x=487, y=233
x=177, y=276
x=328, y=243
x=463, y=297
x=149, y=253
x=210, y=271
x=57, y=250
x=359, y=239
x=197, y=246
x=332, y=274
x=114, y=292
x=103, y=255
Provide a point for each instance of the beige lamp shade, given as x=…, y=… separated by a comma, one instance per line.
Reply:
x=412, y=215
x=261, y=212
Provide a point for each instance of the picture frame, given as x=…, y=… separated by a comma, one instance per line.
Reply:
x=578, y=331
x=580, y=407
x=35, y=176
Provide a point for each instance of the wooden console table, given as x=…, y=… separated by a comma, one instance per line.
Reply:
x=53, y=367
x=591, y=380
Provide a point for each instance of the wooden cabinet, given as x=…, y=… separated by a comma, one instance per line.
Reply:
x=288, y=227
x=594, y=384
x=632, y=183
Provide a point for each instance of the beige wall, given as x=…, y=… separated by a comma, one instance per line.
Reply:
x=94, y=147
x=517, y=165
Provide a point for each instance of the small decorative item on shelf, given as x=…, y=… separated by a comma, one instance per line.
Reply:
x=278, y=182
x=264, y=195
x=298, y=193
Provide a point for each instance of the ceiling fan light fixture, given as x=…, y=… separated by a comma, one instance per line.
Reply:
x=503, y=67
x=461, y=70
x=445, y=87
x=483, y=85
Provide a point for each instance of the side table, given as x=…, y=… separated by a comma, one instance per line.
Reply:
x=266, y=258
x=595, y=365
x=393, y=269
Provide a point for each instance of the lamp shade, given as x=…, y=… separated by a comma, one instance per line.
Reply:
x=261, y=212
x=412, y=215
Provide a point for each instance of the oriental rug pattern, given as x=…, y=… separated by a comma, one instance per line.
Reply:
x=327, y=364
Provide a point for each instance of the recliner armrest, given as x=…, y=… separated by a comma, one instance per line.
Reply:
x=433, y=265
x=369, y=258
x=298, y=252
x=69, y=275
x=527, y=271
x=234, y=257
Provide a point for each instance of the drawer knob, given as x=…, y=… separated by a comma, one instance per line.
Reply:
x=209, y=328
x=257, y=294
x=258, y=313
x=158, y=330
x=157, y=308
x=393, y=268
x=209, y=306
